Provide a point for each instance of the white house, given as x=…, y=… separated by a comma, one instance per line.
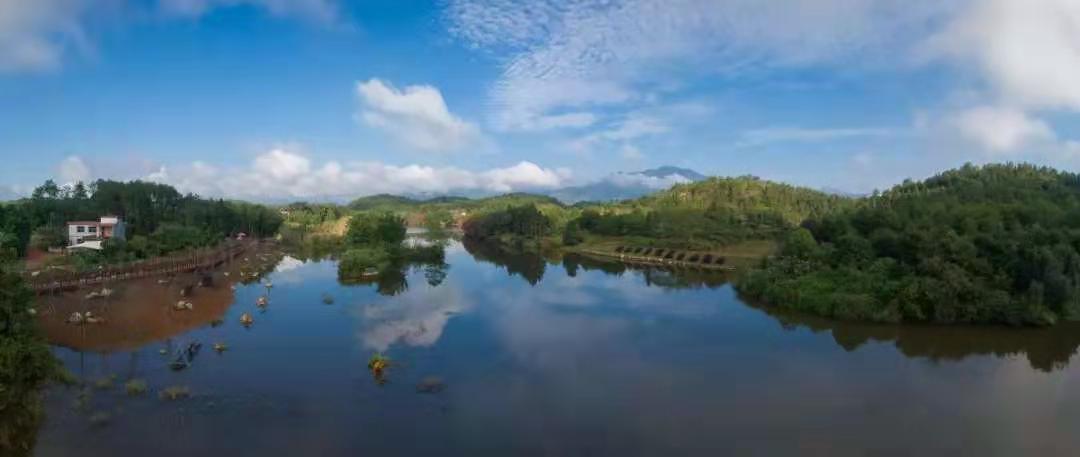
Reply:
x=105, y=228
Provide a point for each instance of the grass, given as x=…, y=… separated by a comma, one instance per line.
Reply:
x=135, y=387
x=173, y=393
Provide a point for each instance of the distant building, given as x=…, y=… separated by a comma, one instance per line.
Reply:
x=108, y=227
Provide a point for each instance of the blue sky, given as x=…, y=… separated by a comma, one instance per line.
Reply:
x=324, y=99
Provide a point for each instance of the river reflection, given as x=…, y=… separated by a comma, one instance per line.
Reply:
x=554, y=356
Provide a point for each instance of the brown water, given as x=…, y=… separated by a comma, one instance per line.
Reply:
x=543, y=357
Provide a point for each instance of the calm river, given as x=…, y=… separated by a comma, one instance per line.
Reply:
x=498, y=354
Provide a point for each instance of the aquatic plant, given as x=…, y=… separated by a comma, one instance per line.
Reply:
x=378, y=363
x=327, y=299
x=135, y=387
x=173, y=393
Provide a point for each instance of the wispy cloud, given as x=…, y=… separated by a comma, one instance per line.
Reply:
x=582, y=53
x=766, y=136
x=36, y=35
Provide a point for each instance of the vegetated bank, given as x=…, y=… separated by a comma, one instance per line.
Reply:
x=991, y=244
x=26, y=365
x=715, y=220
x=159, y=219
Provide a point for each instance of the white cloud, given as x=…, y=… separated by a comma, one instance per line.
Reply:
x=281, y=174
x=414, y=319
x=415, y=115
x=522, y=176
x=760, y=137
x=1027, y=51
x=581, y=53
x=34, y=34
x=1000, y=130
x=73, y=169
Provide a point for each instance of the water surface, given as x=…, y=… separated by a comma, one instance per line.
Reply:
x=542, y=357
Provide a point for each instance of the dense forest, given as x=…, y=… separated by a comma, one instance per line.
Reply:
x=991, y=244
x=159, y=218
x=714, y=212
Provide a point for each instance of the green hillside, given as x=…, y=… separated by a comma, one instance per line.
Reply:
x=716, y=211
x=999, y=244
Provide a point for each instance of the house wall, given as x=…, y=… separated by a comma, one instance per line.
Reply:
x=77, y=232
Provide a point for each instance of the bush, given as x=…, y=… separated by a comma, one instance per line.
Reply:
x=375, y=230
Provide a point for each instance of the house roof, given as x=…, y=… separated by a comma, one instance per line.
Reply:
x=83, y=223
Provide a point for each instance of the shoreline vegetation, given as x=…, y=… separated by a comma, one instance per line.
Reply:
x=993, y=244
x=160, y=222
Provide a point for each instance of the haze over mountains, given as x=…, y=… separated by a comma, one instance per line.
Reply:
x=613, y=187
x=624, y=185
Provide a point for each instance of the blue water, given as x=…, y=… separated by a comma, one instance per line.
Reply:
x=536, y=361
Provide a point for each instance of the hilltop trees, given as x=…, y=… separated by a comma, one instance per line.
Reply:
x=717, y=211
x=384, y=230
x=524, y=221
x=999, y=243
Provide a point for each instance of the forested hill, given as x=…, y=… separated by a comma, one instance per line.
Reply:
x=998, y=243
x=745, y=195
x=400, y=204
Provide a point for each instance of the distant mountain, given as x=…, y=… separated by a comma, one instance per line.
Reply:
x=388, y=202
x=627, y=185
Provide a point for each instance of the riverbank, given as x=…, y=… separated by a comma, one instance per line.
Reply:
x=635, y=249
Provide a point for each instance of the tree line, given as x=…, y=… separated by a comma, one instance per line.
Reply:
x=159, y=218
x=991, y=244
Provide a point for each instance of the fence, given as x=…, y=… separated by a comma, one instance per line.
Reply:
x=200, y=259
x=669, y=257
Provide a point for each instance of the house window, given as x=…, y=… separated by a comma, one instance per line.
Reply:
x=92, y=229
x=80, y=229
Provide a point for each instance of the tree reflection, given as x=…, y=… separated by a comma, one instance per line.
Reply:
x=530, y=265
x=1047, y=349
x=392, y=278
x=665, y=277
